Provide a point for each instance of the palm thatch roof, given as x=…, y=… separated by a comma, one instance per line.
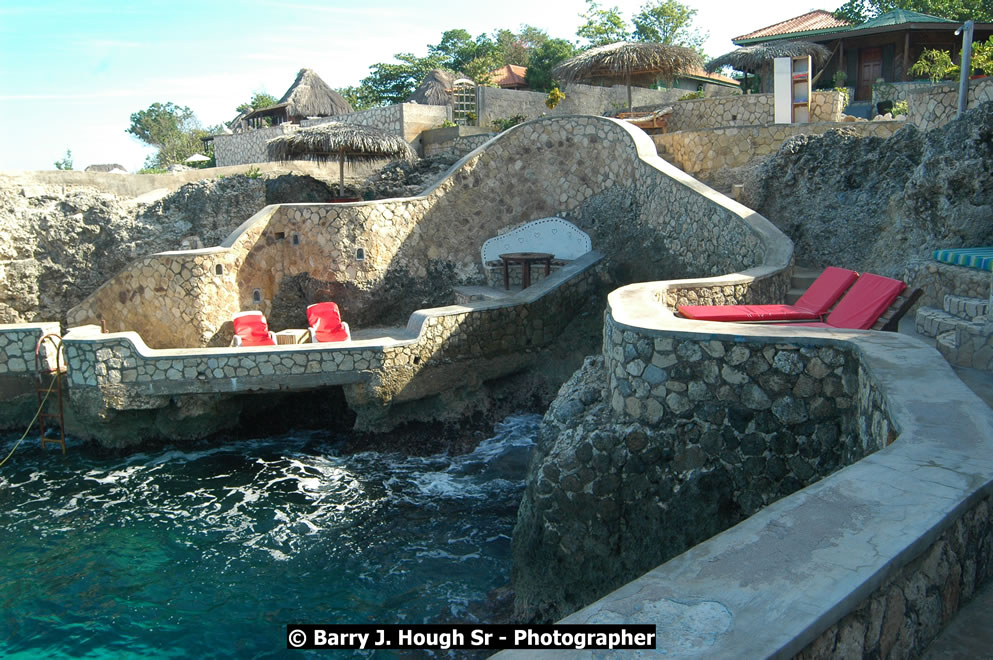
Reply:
x=435, y=89
x=309, y=96
x=332, y=140
x=753, y=58
x=637, y=63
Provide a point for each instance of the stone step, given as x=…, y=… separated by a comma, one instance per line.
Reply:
x=947, y=345
x=793, y=295
x=966, y=308
x=932, y=322
x=803, y=277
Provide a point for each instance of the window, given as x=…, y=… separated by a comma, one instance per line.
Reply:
x=295, y=239
x=360, y=254
x=257, y=296
x=219, y=269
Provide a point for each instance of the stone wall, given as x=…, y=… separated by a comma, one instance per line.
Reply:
x=746, y=110
x=937, y=279
x=406, y=119
x=454, y=140
x=938, y=104
x=869, y=561
x=18, y=401
x=703, y=152
x=494, y=103
x=691, y=435
x=649, y=218
x=249, y=146
x=905, y=614
x=442, y=349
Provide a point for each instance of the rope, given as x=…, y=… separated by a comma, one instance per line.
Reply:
x=30, y=424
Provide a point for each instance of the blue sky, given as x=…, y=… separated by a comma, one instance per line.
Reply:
x=72, y=72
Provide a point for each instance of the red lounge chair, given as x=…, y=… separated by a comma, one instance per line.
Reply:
x=325, y=323
x=862, y=306
x=251, y=329
x=812, y=305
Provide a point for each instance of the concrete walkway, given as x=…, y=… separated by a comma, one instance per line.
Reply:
x=969, y=635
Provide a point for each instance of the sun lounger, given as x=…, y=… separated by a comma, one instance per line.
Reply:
x=812, y=305
x=252, y=329
x=325, y=323
x=865, y=303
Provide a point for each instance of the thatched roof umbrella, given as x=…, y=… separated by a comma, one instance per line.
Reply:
x=337, y=140
x=757, y=58
x=639, y=63
x=436, y=89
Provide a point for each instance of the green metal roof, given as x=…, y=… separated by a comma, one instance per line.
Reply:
x=900, y=17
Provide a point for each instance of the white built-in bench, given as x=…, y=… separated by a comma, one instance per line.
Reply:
x=554, y=236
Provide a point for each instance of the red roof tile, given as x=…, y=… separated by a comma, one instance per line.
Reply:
x=511, y=75
x=815, y=20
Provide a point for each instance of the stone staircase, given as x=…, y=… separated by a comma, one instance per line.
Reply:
x=800, y=281
x=962, y=330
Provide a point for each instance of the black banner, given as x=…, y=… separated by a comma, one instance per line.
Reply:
x=469, y=636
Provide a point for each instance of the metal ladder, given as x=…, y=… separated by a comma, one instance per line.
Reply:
x=53, y=376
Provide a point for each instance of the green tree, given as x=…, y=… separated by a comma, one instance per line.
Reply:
x=394, y=82
x=602, y=26
x=859, y=11
x=545, y=58
x=358, y=97
x=65, y=163
x=259, y=100
x=173, y=130
x=668, y=22
x=518, y=48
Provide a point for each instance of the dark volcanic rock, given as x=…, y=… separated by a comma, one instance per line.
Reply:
x=874, y=203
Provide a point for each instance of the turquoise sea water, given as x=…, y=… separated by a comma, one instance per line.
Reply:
x=211, y=552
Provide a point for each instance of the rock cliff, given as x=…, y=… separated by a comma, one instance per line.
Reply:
x=875, y=204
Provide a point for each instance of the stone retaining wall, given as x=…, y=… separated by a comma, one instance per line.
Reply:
x=937, y=279
x=870, y=560
x=650, y=218
x=408, y=120
x=938, y=104
x=442, y=349
x=746, y=110
x=703, y=152
x=18, y=378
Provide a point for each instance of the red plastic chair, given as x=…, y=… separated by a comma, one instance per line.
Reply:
x=814, y=303
x=325, y=323
x=252, y=329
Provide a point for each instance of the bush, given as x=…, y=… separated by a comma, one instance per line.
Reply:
x=506, y=122
x=692, y=95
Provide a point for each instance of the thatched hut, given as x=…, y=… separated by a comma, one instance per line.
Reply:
x=436, y=89
x=308, y=96
x=630, y=62
x=339, y=141
x=758, y=58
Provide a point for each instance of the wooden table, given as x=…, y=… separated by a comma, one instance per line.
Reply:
x=525, y=259
x=292, y=336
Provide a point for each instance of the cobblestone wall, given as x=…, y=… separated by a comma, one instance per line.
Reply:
x=936, y=279
x=18, y=401
x=596, y=172
x=495, y=103
x=704, y=152
x=903, y=616
x=937, y=105
x=746, y=110
x=248, y=147
x=119, y=372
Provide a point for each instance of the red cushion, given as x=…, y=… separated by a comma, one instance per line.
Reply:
x=744, y=312
x=324, y=320
x=826, y=290
x=865, y=302
x=253, y=330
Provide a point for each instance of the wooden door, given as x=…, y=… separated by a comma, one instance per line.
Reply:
x=870, y=68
